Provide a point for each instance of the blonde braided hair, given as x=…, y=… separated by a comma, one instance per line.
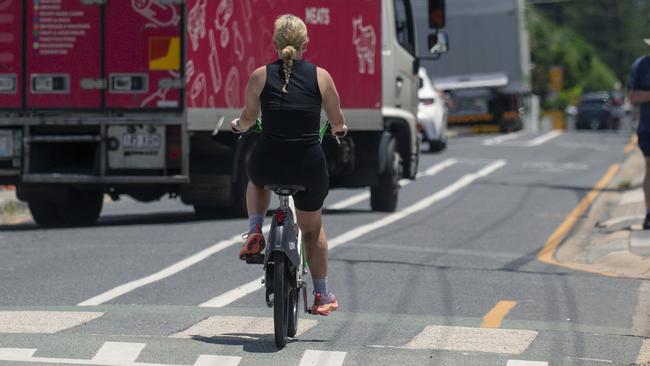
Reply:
x=290, y=37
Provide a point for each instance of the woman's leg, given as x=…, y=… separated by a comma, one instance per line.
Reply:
x=315, y=241
x=258, y=200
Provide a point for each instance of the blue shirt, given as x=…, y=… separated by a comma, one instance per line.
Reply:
x=640, y=80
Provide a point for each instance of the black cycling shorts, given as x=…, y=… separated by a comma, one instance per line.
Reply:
x=280, y=162
x=644, y=143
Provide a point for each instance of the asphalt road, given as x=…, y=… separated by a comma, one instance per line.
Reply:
x=451, y=279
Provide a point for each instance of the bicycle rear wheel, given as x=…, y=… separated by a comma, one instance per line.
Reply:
x=294, y=300
x=280, y=299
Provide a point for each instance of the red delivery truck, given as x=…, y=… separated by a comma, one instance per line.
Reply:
x=123, y=97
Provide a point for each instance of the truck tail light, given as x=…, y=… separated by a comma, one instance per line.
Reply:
x=7, y=83
x=50, y=83
x=174, y=147
x=124, y=83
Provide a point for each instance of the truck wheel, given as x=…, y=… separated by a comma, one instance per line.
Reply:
x=437, y=146
x=383, y=196
x=81, y=209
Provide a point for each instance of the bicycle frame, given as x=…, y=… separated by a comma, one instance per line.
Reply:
x=284, y=237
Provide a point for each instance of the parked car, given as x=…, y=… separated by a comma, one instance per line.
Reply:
x=432, y=113
x=599, y=111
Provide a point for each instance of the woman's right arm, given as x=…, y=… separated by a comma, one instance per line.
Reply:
x=331, y=102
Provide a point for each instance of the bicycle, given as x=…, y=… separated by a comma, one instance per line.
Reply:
x=284, y=261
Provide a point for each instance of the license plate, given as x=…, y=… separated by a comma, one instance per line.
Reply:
x=136, y=147
x=6, y=145
x=141, y=140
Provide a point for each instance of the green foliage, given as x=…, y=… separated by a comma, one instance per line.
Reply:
x=615, y=28
x=552, y=46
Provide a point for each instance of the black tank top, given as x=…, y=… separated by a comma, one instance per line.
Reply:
x=292, y=117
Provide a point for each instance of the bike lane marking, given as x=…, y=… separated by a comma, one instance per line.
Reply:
x=359, y=197
x=499, y=139
x=543, y=139
x=205, y=253
x=256, y=284
x=322, y=358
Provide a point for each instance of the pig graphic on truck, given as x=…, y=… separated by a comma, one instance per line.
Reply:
x=123, y=97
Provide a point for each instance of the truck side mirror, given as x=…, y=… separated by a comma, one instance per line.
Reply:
x=438, y=43
x=437, y=18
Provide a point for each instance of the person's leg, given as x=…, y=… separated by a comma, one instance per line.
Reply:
x=315, y=241
x=316, y=250
x=258, y=200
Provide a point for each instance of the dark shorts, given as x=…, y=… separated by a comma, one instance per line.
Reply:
x=644, y=143
x=274, y=162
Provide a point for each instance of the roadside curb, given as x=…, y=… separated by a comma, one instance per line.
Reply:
x=608, y=239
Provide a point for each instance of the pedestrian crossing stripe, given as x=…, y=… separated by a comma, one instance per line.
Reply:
x=488, y=340
x=126, y=354
x=111, y=353
x=43, y=322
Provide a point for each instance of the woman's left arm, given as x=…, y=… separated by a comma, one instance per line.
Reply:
x=252, y=105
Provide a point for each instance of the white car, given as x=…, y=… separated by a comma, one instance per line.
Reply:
x=432, y=113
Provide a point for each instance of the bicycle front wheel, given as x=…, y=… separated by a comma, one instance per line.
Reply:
x=280, y=299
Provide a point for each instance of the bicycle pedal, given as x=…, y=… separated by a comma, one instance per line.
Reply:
x=254, y=259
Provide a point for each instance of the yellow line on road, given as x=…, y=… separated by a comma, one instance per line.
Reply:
x=634, y=140
x=494, y=318
x=546, y=255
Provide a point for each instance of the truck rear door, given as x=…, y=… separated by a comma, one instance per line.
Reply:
x=11, y=51
x=143, y=54
x=64, y=55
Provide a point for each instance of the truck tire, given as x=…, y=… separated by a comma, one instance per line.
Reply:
x=437, y=146
x=383, y=195
x=82, y=208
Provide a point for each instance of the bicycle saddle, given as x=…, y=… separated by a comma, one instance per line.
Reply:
x=285, y=190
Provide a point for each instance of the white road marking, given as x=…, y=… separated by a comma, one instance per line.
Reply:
x=118, y=352
x=322, y=358
x=359, y=197
x=211, y=360
x=644, y=353
x=497, y=340
x=526, y=363
x=164, y=273
x=216, y=248
x=11, y=354
x=110, y=354
x=244, y=327
x=497, y=140
x=544, y=138
x=234, y=295
x=43, y=322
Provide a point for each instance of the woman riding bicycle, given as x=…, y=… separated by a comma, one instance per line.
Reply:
x=290, y=94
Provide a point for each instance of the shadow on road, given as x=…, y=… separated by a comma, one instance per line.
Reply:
x=254, y=343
